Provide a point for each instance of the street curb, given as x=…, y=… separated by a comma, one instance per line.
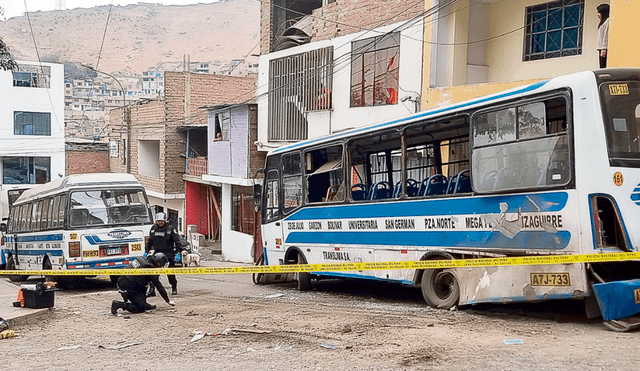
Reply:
x=29, y=318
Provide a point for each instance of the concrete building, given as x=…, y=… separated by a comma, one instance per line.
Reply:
x=144, y=139
x=31, y=124
x=342, y=66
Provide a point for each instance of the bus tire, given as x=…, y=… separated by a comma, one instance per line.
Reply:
x=46, y=265
x=440, y=288
x=256, y=277
x=11, y=265
x=304, y=278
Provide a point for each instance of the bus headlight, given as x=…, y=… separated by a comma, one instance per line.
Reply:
x=74, y=249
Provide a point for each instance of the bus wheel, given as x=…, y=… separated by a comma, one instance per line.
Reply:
x=257, y=277
x=304, y=278
x=440, y=288
x=11, y=265
x=46, y=266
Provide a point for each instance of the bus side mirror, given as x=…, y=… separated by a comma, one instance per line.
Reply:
x=257, y=196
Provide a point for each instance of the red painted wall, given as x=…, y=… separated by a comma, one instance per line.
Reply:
x=196, y=206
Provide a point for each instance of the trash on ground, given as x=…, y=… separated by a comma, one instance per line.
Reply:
x=197, y=336
x=273, y=296
x=328, y=346
x=7, y=334
x=514, y=341
x=117, y=347
x=70, y=347
x=4, y=325
x=191, y=312
x=233, y=331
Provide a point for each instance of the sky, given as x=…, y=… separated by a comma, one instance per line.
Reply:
x=14, y=8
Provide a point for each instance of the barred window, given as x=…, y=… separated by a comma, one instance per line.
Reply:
x=554, y=30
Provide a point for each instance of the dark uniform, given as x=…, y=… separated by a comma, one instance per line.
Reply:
x=166, y=240
x=133, y=288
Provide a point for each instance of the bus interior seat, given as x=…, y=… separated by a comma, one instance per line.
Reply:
x=412, y=188
x=359, y=192
x=423, y=186
x=331, y=193
x=488, y=180
x=463, y=182
x=451, y=186
x=436, y=185
x=380, y=190
x=531, y=176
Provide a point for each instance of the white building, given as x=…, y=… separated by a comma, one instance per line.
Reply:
x=31, y=125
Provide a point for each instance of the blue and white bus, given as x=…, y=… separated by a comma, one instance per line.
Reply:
x=548, y=168
x=85, y=221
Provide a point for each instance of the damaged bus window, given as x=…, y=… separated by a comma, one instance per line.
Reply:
x=522, y=147
x=324, y=175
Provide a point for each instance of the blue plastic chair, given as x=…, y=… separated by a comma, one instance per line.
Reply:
x=359, y=192
x=436, y=185
x=463, y=182
x=380, y=190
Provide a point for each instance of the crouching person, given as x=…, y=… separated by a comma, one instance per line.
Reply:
x=133, y=287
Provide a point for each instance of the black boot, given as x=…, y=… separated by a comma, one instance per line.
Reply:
x=115, y=305
x=174, y=290
x=151, y=291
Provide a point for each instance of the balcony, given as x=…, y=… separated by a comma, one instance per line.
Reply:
x=197, y=166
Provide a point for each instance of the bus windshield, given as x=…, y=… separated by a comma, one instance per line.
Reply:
x=621, y=106
x=108, y=207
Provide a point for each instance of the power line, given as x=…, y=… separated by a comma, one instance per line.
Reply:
x=104, y=35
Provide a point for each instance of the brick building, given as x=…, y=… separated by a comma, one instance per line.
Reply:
x=86, y=156
x=144, y=139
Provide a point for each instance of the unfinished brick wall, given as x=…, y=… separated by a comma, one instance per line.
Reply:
x=185, y=93
x=345, y=17
x=89, y=161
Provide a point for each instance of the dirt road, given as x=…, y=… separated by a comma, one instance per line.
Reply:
x=340, y=325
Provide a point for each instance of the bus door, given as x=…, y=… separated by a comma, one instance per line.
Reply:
x=272, y=225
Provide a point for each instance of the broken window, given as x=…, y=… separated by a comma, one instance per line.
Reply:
x=324, y=175
x=525, y=146
x=374, y=70
x=292, y=181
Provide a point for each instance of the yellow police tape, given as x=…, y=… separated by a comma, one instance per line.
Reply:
x=336, y=267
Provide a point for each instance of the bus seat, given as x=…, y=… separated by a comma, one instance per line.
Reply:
x=451, y=186
x=436, y=185
x=359, y=192
x=331, y=193
x=380, y=190
x=530, y=176
x=463, y=184
x=412, y=188
x=397, y=189
x=423, y=186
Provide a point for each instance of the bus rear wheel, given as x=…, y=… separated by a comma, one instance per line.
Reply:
x=304, y=278
x=11, y=265
x=440, y=288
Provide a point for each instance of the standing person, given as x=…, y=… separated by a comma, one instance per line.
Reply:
x=164, y=238
x=133, y=287
x=602, y=43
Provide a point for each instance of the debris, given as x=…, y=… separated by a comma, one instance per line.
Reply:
x=273, y=296
x=117, y=347
x=4, y=325
x=232, y=331
x=70, y=347
x=191, y=312
x=514, y=341
x=349, y=347
x=328, y=346
x=7, y=334
x=171, y=310
x=199, y=335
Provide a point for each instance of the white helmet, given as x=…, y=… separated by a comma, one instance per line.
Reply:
x=161, y=216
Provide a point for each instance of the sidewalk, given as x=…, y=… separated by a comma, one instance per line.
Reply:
x=17, y=316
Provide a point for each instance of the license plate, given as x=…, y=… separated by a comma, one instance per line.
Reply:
x=136, y=247
x=550, y=279
x=636, y=294
x=114, y=251
x=619, y=89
